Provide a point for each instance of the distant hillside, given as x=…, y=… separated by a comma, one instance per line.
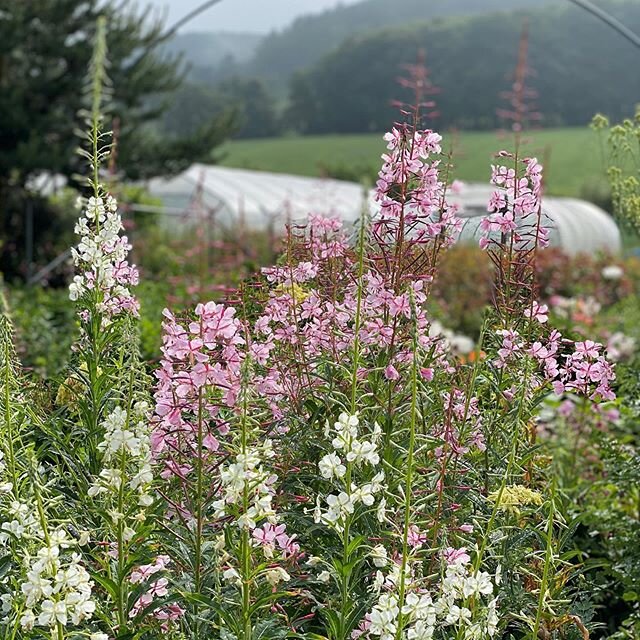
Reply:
x=310, y=37
x=204, y=52
x=581, y=67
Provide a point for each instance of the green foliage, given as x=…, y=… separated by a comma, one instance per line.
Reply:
x=605, y=505
x=621, y=147
x=191, y=105
x=446, y=497
x=48, y=67
x=45, y=328
x=246, y=102
x=52, y=229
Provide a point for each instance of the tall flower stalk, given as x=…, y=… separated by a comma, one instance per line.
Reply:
x=101, y=286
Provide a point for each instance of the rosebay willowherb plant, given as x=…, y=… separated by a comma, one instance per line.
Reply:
x=412, y=480
x=317, y=460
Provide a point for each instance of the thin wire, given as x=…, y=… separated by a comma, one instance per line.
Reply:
x=607, y=18
x=192, y=14
x=588, y=6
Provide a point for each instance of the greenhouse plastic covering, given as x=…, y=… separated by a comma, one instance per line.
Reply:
x=259, y=200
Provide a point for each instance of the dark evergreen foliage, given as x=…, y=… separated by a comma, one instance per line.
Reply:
x=45, y=48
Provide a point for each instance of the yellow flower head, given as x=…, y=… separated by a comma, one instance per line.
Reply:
x=297, y=293
x=514, y=496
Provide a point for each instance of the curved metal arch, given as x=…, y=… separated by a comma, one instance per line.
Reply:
x=190, y=16
x=587, y=5
x=608, y=19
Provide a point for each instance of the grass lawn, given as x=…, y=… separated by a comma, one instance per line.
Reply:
x=572, y=156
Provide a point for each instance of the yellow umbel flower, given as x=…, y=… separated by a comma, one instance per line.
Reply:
x=514, y=496
x=297, y=293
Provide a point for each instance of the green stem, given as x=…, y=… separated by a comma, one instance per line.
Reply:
x=245, y=541
x=345, y=578
x=8, y=378
x=121, y=603
x=408, y=475
x=548, y=558
x=197, y=569
x=358, y=316
x=41, y=514
x=123, y=594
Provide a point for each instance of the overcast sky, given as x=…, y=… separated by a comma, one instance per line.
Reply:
x=258, y=16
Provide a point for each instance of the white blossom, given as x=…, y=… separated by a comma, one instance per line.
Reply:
x=379, y=556
x=324, y=576
x=612, y=272
x=384, y=617
x=277, y=575
x=331, y=466
x=28, y=620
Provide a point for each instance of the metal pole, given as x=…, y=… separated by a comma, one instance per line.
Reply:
x=608, y=19
x=192, y=14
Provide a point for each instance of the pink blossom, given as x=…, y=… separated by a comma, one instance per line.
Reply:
x=539, y=312
x=391, y=373
x=415, y=537
x=456, y=556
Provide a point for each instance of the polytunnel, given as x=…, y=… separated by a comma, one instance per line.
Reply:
x=257, y=199
x=260, y=200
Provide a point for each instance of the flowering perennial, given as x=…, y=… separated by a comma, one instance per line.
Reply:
x=57, y=590
x=514, y=208
x=323, y=459
x=357, y=452
x=102, y=256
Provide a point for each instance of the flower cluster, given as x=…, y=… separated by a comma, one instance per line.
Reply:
x=208, y=437
x=309, y=321
x=20, y=520
x=421, y=615
x=579, y=309
x=578, y=367
x=246, y=476
x=235, y=381
x=410, y=193
x=515, y=207
x=126, y=436
x=586, y=371
x=512, y=497
x=356, y=452
x=57, y=589
x=102, y=255
x=156, y=588
x=620, y=346
x=206, y=354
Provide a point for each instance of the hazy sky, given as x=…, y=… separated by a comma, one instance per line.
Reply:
x=260, y=16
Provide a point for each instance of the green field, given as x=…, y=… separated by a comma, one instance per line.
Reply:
x=573, y=158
